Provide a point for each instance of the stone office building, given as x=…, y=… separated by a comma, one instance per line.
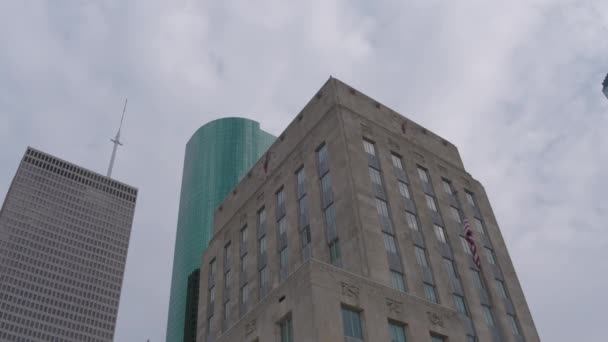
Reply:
x=350, y=229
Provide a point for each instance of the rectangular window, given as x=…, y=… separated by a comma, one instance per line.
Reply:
x=470, y=198
x=211, y=296
x=283, y=255
x=244, y=294
x=389, y=243
x=429, y=292
x=456, y=214
x=439, y=233
x=397, y=161
x=421, y=256
x=212, y=267
x=501, y=288
x=226, y=311
x=382, y=208
x=352, y=324
x=326, y=189
x=322, y=154
x=244, y=264
x=460, y=305
x=303, y=211
x=301, y=181
x=282, y=226
x=261, y=217
x=430, y=202
x=330, y=218
x=449, y=268
x=465, y=246
x=435, y=338
x=281, y=199
x=487, y=314
x=375, y=176
x=513, y=324
x=397, y=332
x=227, y=255
x=477, y=279
x=447, y=187
x=369, y=147
x=227, y=280
x=478, y=226
x=490, y=255
x=286, y=330
x=397, y=281
x=244, y=236
x=263, y=280
x=334, y=253
x=262, y=245
x=424, y=176
x=404, y=190
x=412, y=222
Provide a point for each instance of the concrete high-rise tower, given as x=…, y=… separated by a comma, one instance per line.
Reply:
x=217, y=156
x=353, y=231
x=64, y=235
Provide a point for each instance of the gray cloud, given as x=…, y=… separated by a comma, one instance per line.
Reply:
x=515, y=86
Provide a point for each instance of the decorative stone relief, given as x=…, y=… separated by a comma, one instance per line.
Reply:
x=434, y=318
x=419, y=156
x=393, y=144
x=243, y=217
x=366, y=129
x=350, y=290
x=250, y=327
x=394, y=306
x=261, y=197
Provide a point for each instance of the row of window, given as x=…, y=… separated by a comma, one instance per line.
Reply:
x=328, y=209
x=391, y=245
x=42, y=160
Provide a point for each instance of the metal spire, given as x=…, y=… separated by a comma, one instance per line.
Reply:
x=116, y=141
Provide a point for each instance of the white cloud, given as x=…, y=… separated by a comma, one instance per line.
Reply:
x=515, y=86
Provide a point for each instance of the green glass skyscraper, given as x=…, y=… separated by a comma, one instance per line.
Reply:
x=217, y=156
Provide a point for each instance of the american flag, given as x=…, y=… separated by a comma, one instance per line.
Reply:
x=468, y=235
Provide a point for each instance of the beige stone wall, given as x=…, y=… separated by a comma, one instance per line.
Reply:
x=341, y=117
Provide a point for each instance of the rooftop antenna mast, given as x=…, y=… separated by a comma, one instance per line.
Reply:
x=116, y=141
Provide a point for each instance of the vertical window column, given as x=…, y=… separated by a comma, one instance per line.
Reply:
x=211, y=295
x=262, y=255
x=282, y=247
x=227, y=284
x=303, y=217
x=327, y=205
x=390, y=242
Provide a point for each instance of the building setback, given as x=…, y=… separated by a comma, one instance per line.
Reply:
x=217, y=156
x=64, y=236
x=354, y=233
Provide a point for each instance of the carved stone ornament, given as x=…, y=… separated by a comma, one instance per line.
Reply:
x=434, y=318
x=350, y=290
x=393, y=144
x=250, y=327
x=261, y=197
x=366, y=129
x=243, y=217
x=394, y=306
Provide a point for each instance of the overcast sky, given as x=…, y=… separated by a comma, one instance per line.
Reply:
x=515, y=85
